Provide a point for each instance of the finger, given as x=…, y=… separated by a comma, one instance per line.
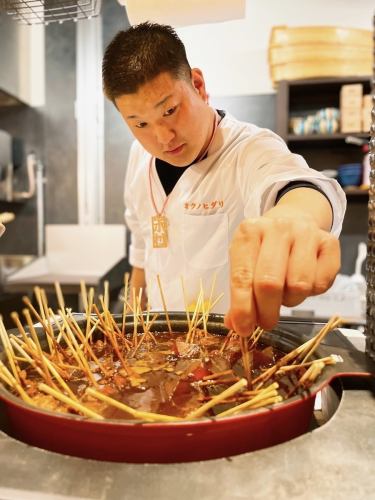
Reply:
x=302, y=268
x=270, y=273
x=328, y=265
x=2, y=229
x=243, y=253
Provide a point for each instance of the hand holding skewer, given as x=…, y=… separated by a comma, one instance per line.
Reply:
x=280, y=259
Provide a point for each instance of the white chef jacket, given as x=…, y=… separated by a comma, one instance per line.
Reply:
x=245, y=168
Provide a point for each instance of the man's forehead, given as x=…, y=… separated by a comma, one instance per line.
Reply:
x=150, y=96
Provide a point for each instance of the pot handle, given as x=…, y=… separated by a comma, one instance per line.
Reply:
x=355, y=363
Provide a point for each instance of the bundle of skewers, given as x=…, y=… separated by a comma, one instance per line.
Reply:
x=98, y=365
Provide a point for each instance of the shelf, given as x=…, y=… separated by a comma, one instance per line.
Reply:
x=356, y=192
x=334, y=81
x=15, y=203
x=325, y=137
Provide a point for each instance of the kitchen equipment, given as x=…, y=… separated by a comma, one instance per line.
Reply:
x=303, y=52
x=6, y=166
x=40, y=12
x=183, y=13
x=350, y=174
x=202, y=439
x=6, y=217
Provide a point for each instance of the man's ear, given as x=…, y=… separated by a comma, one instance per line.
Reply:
x=197, y=80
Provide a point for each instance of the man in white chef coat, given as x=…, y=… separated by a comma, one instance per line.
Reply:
x=211, y=198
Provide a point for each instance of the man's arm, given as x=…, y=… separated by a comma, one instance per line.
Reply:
x=138, y=281
x=281, y=258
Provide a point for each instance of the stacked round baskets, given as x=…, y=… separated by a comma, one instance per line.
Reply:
x=318, y=51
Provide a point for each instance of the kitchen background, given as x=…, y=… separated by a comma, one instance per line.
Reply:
x=60, y=97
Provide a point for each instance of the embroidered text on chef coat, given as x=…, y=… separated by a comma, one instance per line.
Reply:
x=204, y=205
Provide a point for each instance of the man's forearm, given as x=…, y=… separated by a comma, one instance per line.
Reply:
x=306, y=201
x=138, y=281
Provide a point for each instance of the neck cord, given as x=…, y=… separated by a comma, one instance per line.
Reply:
x=201, y=156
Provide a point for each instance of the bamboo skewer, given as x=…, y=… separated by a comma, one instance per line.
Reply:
x=32, y=309
x=82, y=339
x=219, y=381
x=164, y=304
x=50, y=366
x=332, y=323
x=329, y=360
x=14, y=383
x=38, y=296
x=106, y=294
x=255, y=336
x=146, y=332
x=75, y=349
x=5, y=378
x=113, y=341
x=43, y=308
x=35, y=338
x=200, y=320
x=246, y=359
x=83, y=289
x=20, y=327
x=47, y=321
x=140, y=415
x=185, y=301
x=60, y=296
x=269, y=393
x=124, y=308
x=70, y=402
x=9, y=351
x=218, y=399
x=212, y=292
x=227, y=340
x=210, y=304
x=125, y=342
x=204, y=315
x=310, y=375
x=28, y=303
x=193, y=324
x=27, y=358
x=135, y=318
x=305, y=350
x=88, y=314
x=216, y=375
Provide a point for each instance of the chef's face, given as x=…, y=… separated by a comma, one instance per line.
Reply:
x=170, y=117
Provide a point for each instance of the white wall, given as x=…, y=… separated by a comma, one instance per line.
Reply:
x=233, y=55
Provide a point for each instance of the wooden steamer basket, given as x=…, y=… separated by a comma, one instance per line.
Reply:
x=200, y=439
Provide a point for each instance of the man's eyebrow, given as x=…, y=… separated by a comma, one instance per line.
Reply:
x=160, y=103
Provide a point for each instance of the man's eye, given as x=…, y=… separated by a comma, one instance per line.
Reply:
x=170, y=111
x=141, y=125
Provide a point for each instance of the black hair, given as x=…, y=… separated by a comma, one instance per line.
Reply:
x=139, y=54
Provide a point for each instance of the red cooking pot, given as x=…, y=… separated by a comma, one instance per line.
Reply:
x=201, y=439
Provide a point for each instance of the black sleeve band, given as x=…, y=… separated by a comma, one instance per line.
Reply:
x=301, y=184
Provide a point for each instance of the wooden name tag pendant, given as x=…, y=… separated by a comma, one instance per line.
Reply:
x=159, y=231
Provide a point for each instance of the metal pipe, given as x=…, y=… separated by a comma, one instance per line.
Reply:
x=40, y=180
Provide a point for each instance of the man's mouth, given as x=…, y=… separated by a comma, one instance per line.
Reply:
x=175, y=151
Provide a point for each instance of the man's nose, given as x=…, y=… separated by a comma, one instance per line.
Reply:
x=164, y=135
